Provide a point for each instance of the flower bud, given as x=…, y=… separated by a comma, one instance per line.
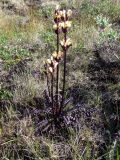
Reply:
x=55, y=27
x=69, y=13
x=55, y=63
x=44, y=62
x=49, y=61
x=57, y=16
x=50, y=69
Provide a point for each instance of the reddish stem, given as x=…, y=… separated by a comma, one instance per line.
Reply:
x=64, y=75
x=52, y=99
x=48, y=84
x=57, y=73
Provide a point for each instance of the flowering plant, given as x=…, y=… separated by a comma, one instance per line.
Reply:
x=54, y=96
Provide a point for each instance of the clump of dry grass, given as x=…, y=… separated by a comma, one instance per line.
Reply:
x=27, y=83
x=18, y=140
x=26, y=88
x=28, y=27
x=87, y=36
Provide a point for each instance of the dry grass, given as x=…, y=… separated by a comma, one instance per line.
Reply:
x=85, y=35
x=28, y=27
x=29, y=84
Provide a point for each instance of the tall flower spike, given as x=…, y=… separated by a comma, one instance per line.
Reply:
x=61, y=23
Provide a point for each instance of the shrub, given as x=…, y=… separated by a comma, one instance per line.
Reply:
x=106, y=32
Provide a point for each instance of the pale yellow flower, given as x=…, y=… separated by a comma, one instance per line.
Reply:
x=68, y=43
x=54, y=54
x=57, y=27
x=68, y=24
x=61, y=13
x=57, y=15
x=61, y=24
x=60, y=55
x=62, y=43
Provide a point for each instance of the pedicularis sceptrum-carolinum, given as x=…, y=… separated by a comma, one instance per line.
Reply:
x=55, y=94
